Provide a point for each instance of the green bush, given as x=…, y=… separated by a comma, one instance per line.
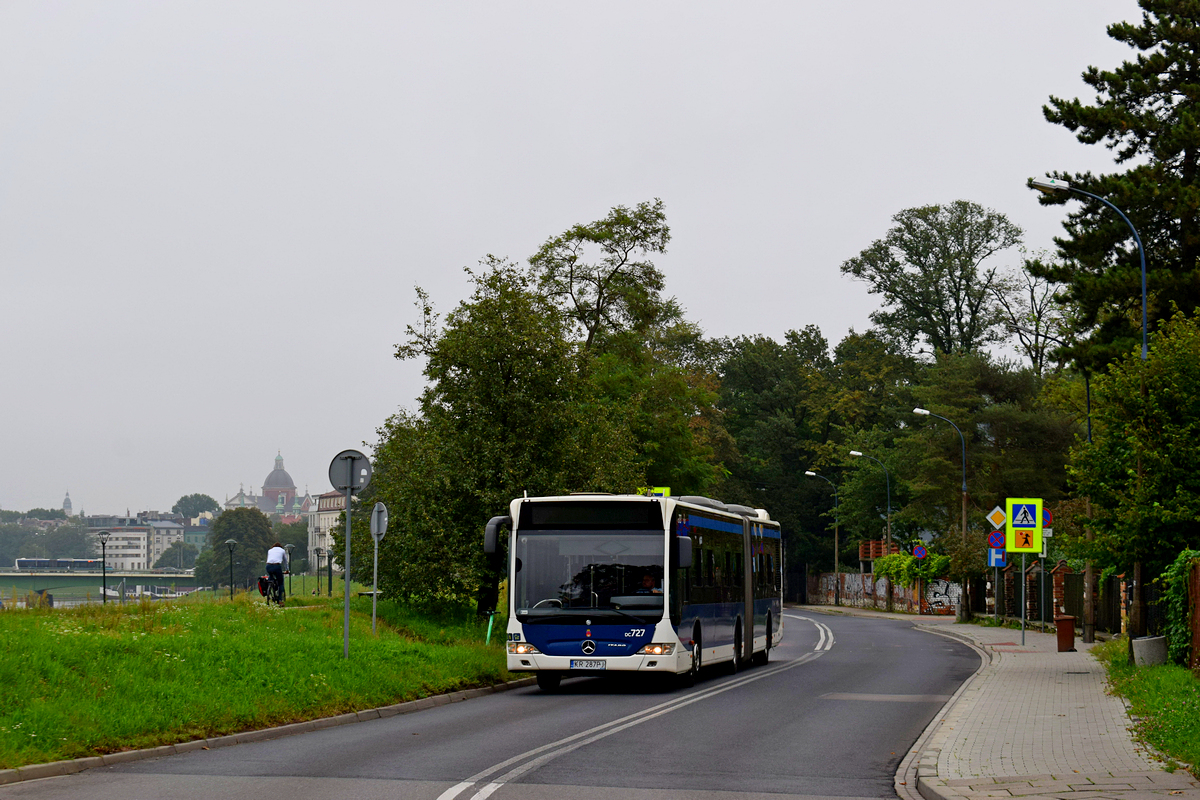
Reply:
x=1174, y=603
x=906, y=570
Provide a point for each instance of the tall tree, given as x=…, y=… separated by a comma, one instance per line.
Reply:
x=1146, y=112
x=775, y=401
x=930, y=270
x=506, y=411
x=193, y=505
x=600, y=273
x=1032, y=313
x=251, y=530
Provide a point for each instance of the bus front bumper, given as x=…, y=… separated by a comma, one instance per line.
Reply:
x=677, y=662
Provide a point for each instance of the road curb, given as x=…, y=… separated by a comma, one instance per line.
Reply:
x=917, y=776
x=54, y=769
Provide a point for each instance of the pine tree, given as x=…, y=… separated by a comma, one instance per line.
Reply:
x=1146, y=113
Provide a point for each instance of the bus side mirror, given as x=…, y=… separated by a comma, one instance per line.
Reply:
x=491, y=534
x=684, y=545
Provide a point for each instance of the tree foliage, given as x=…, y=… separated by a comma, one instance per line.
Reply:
x=1145, y=112
x=600, y=273
x=179, y=555
x=930, y=270
x=507, y=410
x=193, y=505
x=70, y=540
x=251, y=531
x=1142, y=470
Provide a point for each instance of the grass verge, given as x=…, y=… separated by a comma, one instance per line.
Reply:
x=1165, y=700
x=101, y=678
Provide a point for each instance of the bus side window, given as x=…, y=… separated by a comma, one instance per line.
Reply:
x=739, y=571
x=711, y=569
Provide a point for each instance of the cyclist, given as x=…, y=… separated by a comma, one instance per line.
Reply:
x=277, y=562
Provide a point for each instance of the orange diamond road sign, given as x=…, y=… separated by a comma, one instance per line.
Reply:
x=997, y=517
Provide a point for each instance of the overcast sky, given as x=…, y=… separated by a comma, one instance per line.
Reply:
x=213, y=215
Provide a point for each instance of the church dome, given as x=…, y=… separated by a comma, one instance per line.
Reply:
x=279, y=479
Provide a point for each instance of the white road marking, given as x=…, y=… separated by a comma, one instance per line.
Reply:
x=548, y=752
x=825, y=642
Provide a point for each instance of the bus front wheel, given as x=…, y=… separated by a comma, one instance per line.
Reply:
x=548, y=681
x=689, y=678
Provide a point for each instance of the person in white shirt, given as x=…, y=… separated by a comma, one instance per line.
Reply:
x=277, y=562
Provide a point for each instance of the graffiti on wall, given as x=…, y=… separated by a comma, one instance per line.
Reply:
x=942, y=595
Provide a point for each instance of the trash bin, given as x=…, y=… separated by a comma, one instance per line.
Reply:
x=1066, y=633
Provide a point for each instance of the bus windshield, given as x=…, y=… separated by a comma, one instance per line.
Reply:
x=610, y=575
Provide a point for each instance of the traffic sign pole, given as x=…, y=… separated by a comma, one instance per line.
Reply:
x=379, y=520
x=350, y=471
x=1022, y=599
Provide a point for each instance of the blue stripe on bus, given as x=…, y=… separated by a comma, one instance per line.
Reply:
x=713, y=524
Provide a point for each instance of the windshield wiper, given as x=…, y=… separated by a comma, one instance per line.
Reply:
x=622, y=613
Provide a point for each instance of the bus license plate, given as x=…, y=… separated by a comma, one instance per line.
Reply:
x=587, y=663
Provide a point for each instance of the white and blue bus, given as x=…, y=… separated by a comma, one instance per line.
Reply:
x=604, y=583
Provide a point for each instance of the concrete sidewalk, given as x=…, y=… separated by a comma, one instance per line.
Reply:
x=1032, y=723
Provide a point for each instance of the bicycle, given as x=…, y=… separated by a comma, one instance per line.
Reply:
x=274, y=589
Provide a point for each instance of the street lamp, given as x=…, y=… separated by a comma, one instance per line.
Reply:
x=1056, y=186
x=231, y=543
x=837, y=571
x=888, y=549
x=318, y=552
x=922, y=412
x=289, y=547
x=103, y=537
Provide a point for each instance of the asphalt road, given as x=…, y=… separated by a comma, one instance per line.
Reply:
x=831, y=715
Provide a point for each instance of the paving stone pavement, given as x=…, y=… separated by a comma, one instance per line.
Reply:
x=1032, y=723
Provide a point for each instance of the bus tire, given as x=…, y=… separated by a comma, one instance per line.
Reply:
x=736, y=664
x=688, y=679
x=548, y=681
x=761, y=658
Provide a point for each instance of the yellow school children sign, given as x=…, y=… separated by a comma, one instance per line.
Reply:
x=1023, y=528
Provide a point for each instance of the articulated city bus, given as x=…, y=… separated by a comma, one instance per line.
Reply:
x=59, y=564
x=604, y=583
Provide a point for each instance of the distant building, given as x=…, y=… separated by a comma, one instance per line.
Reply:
x=163, y=534
x=279, y=496
x=324, y=516
x=67, y=505
x=195, y=530
x=129, y=541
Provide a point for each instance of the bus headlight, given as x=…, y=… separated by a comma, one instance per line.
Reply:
x=656, y=650
x=521, y=648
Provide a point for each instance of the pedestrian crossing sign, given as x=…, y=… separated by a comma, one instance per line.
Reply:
x=1023, y=529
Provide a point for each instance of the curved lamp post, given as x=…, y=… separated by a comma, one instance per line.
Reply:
x=103, y=537
x=837, y=572
x=231, y=543
x=888, y=477
x=1056, y=186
